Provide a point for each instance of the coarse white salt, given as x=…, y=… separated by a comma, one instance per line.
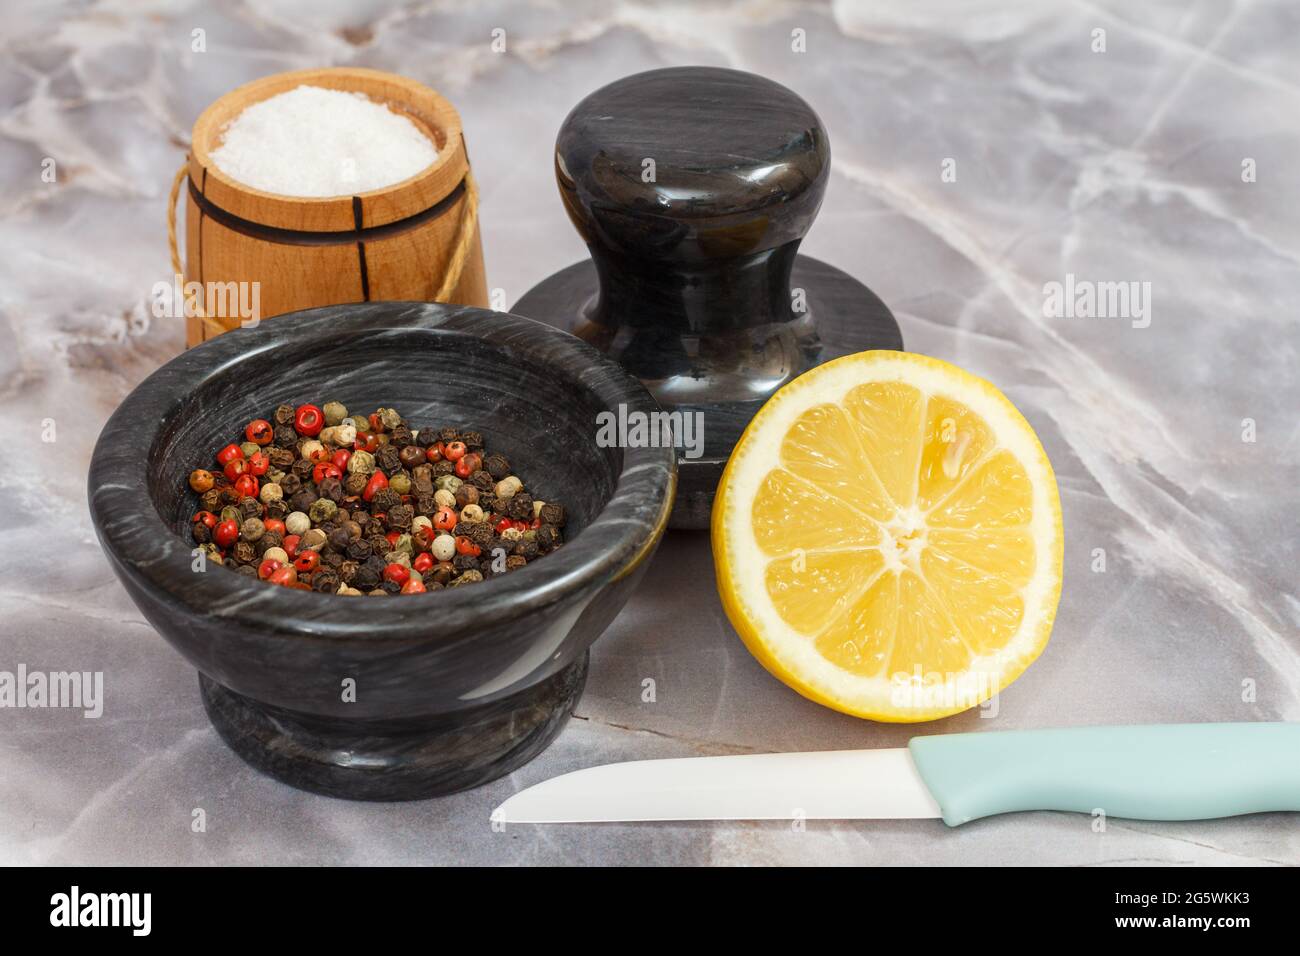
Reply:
x=312, y=141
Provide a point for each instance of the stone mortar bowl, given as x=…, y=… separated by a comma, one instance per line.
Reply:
x=452, y=688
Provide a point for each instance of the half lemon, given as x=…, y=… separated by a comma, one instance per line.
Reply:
x=887, y=537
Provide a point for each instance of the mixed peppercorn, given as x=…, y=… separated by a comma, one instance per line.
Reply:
x=318, y=499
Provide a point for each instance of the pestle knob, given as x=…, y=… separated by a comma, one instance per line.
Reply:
x=692, y=188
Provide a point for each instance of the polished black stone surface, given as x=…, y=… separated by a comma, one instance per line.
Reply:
x=693, y=187
x=452, y=688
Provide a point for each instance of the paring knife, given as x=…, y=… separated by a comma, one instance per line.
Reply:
x=1160, y=772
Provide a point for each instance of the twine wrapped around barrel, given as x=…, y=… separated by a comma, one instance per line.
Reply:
x=415, y=240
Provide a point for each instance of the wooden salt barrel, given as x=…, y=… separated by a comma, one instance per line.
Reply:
x=417, y=239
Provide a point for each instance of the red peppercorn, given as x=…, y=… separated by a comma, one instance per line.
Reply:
x=392, y=537
x=306, y=562
x=433, y=454
x=258, y=464
x=454, y=450
x=308, y=420
x=423, y=562
x=503, y=524
x=465, y=546
x=235, y=467
x=274, y=524
x=267, y=568
x=377, y=480
x=376, y=423
x=290, y=545
x=207, y=517
x=445, y=519
x=521, y=525
x=537, y=523
x=413, y=587
x=320, y=454
x=259, y=430
x=366, y=441
x=325, y=469
x=397, y=572
x=286, y=576
x=341, y=459
x=247, y=486
x=226, y=534
x=201, y=480
x=229, y=454
x=468, y=465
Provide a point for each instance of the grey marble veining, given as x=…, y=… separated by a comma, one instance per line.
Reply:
x=1115, y=166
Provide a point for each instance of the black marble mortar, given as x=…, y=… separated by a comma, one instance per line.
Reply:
x=452, y=688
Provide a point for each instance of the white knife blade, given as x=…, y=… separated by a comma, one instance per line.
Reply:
x=829, y=785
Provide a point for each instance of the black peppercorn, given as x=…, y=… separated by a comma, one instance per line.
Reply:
x=480, y=532
x=399, y=517
x=365, y=578
x=378, y=543
x=303, y=500
x=388, y=460
x=520, y=506
x=469, y=577
x=250, y=507
x=277, y=509
x=482, y=481
x=376, y=563
x=283, y=414
x=425, y=505
x=553, y=513
x=465, y=562
x=448, y=434
x=359, y=550
x=201, y=532
x=496, y=466
x=391, y=587
x=247, y=570
x=302, y=469
x=284, y=436
x=211, y=499
x=401, y=436
x=244, y=552
x=412, y=456
x=527, y=548
x=290, y=484
x=385, y=499
x=331, y=488
x=355, y=484
x=348, y=571
x=473, y=440
x=280, y=458
x=515, y=562
x=441, y=468
x=547, y=536
x=325, y=581
x=339, y=539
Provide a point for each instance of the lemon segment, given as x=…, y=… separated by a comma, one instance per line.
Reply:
x=887, y=537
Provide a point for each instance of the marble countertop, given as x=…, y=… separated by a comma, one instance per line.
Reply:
x=1168, y=159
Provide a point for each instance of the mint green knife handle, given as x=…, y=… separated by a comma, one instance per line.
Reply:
x=1160, y=772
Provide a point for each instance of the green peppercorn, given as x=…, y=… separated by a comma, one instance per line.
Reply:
x=400, y=483
x=231, y=513
x=334, y=412
x=249, y=448
x=322, y=509
x=361, y=463
x=448, y=483
x=466, y=577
